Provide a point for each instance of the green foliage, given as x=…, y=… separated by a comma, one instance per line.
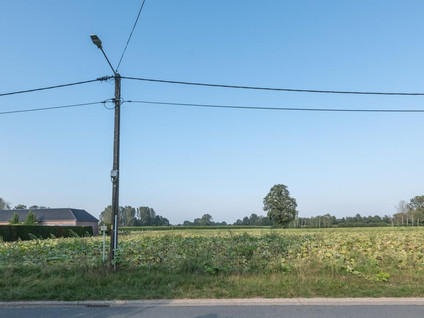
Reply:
x=232, y=263
x=280, y=206
x=416, y=206
x=20, y=207
x=14, y=219
x=362, y=224
x=205, y=220
x=189, y=227
x=146, y=216
x=129, y=216
x=411, y=214
x=33, y=237
x=330, y=221
x=106, y=216
x=207, y=254
x=382, y=277
x=417, y=202
x=367, y=254
x=37, y=207
x=256, y=220
x=26, y=232
x=30, y=219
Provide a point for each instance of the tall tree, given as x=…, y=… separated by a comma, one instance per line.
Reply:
x=265, y=221
x=254, y=219
x=160, y=221
x=205, y=220
x=4, y=205
x=127, y=216
x=416, y=205
x=238, y=222
x=146, y=216
x=281, y=207
x=402, y=210
x=246, y=221
x=106, y=215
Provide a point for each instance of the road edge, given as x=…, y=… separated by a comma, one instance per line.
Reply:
x=384, y=301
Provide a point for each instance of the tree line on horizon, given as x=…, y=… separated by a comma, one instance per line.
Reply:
x=5, y=206
x=281, y=211
x=408, y=214
x=129, y=216
x=320, y=221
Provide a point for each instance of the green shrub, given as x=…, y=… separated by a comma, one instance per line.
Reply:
x=191, y=227
x=27, y=232
x=30, y=219
x=14, y=219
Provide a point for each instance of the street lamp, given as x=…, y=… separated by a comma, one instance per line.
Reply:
x=97, y=42
x=115, y=170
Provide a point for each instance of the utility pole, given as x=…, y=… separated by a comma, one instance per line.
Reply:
x=114, y=174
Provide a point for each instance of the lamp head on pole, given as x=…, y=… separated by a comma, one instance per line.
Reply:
x=96, y=40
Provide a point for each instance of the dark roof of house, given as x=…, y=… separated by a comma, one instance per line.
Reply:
x=50, y=215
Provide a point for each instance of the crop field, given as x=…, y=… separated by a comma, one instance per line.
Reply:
x=371, y=262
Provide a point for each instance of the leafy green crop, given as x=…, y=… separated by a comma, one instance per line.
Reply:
x=376, y=255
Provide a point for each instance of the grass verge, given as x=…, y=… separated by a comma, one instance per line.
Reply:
x=76, y=283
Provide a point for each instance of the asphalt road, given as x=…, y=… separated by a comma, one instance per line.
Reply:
x=387, y=308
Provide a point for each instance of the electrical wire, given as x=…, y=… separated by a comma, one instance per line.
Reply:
x=280, y=108
x=219, y=106
x=129, y=38
x=50, y=108
x=56, y=86
x=272, y=88
x=111, y=100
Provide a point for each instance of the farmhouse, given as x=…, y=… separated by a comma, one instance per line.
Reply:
x=55, y=217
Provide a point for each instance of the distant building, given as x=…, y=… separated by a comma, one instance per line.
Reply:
x=55, y=217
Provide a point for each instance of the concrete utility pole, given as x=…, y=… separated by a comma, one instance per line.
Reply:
x=114, y=174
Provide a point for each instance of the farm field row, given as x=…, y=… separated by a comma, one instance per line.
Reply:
x=360, y=262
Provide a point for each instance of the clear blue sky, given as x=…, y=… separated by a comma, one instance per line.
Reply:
x=185, y=162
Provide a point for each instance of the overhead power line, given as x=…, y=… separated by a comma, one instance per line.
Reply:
x=56, y=86
x=129, y=38
x=220, y=106
x=280, y=108
x=272, y=88
x=50, y=108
